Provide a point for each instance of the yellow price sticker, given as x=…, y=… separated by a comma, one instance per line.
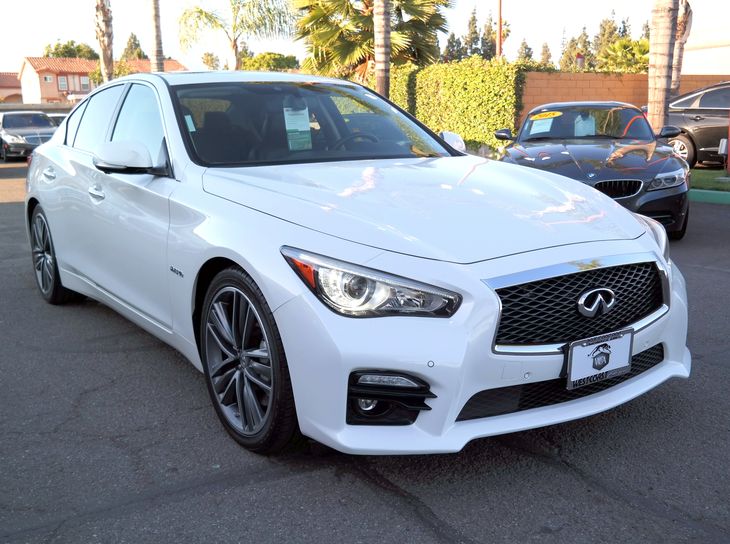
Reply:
x=546, y=115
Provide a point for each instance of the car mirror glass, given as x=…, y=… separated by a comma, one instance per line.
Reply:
x=504, y=134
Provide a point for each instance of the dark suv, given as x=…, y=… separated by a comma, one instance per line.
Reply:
x=702, y=115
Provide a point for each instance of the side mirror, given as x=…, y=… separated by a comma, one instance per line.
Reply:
x=503, y=134
x=454, y=140
x=124, y=157
x=669, y=131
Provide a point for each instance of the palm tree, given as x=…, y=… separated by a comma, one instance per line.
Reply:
x=661, y=50
x=381, y=40
x=158, y=58
x=261, y=18
x=105, y=37
x=626, y=55
x=684, y=25
x=339, y=34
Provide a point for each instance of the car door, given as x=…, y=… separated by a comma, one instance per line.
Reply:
x=66, y=179
x=709, y=119
x=131, y=217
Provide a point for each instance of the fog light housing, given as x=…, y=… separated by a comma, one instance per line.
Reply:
x=376, y=397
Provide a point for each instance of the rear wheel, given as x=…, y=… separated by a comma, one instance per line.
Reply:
x=44, y=261
x=245, y=366
x=684, y=147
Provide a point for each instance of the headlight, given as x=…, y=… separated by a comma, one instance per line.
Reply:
x=658, y=232
x=14, y=139
x=357, y=291
x=668, y=179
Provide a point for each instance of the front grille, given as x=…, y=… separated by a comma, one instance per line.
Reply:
x=508, y=400
x=546, y=311
x=619, y=188
x=37, y=140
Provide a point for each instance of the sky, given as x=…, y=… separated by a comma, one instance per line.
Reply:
x=28, y=25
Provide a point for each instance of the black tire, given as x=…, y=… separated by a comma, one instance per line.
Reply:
x=679, y=234
x=242, y=355
x=684, y=147
x=3, y=154
x=45, y=266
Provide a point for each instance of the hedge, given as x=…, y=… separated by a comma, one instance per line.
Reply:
x=472, y=97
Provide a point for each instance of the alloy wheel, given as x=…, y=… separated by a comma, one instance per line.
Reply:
x=43, y=260
x=680, y=148
x=239, y=364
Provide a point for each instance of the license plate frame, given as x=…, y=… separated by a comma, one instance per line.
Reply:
x=598, y=358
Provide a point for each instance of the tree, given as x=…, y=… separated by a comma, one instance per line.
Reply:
x=489, y=37
x=525, y=51
x=684, y=25
x=645, y=31
x=624, y=31
x=339, y=34
x=158, y=57
x=105, y=37
x=133, y=50
x=121, y=68
x=626, y=55
x=453, y=50
x=211, y=61
x=269, y=62
x=471, y=42
x=661, y=49
x=546, y=58
x=381, y=43
x=608, y=33
x=580, y=45
x=260, y=18
x=70, y=49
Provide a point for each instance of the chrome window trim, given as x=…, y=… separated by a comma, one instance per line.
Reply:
x=575, y=267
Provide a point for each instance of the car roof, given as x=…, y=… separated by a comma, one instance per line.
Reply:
x=554, y=105
x=228, y=76
x=700, y=90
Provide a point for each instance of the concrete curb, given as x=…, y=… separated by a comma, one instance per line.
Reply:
x=713, y=197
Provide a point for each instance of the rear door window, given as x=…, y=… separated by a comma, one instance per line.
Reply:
x=97, y=116
x=718, y=98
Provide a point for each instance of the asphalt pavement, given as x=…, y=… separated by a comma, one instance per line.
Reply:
x=108, y=435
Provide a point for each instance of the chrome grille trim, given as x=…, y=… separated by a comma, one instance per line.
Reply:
x=619, y=188
x=575, y=267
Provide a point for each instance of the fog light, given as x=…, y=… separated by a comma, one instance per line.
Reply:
x=388, y=380
x=367, y=405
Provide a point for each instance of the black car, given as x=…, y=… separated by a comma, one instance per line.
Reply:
x=22, y=131
x=702, y=116
x=610, y=146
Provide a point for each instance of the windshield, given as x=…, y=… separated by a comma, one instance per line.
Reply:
x=27, y=120
x=254, y=123
x=590, y=122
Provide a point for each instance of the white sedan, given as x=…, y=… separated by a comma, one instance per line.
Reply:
x=339, y=271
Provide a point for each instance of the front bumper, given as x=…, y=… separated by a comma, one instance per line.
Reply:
x=19, y=150
x=455, y=357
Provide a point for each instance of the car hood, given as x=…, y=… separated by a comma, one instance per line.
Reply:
x=458, y=209
x=595, y=160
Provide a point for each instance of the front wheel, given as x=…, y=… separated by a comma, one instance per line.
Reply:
x=245, y=366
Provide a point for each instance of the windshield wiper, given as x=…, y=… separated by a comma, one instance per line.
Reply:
x=538, y=138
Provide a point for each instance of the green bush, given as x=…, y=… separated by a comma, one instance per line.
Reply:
x=473, y=97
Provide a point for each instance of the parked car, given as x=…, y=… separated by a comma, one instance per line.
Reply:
x=702, y=116
x=57, y=118
x=22, y=131
x=611, y=147
x=374, y=289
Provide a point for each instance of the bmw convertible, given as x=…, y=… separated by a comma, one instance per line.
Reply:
x=611, y=147
x=337, y=270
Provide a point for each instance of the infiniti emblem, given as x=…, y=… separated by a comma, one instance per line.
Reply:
x=596, y=302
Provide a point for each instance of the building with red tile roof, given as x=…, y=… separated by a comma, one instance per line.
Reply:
x=46, y=80
x=10, y=87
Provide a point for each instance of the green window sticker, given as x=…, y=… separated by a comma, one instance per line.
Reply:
x=298, y=132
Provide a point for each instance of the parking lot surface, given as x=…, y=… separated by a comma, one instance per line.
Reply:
x=108, y=435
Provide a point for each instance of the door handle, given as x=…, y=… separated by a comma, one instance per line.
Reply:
x=96, y=192
x=697, y=118
x=49, y=173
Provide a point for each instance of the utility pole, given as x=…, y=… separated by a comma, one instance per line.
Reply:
x=499, y=28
